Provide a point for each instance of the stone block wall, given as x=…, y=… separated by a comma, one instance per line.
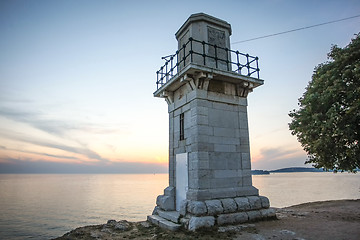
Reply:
x=216, y=139
x=194, y=215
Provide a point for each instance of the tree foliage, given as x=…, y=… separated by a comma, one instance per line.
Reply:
x=327, y=123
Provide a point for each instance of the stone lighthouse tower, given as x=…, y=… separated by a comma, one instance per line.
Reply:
x=206, y=85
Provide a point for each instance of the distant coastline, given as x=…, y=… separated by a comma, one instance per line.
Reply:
x=287, y=170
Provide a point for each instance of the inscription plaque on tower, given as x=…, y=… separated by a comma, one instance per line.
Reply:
x=217, y=37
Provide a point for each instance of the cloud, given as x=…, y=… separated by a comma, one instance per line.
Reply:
x=27, y=166
x=37, y=120
x=46, y=143
x=54, y=127
x=41, y=154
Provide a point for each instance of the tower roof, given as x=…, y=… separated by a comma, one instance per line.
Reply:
x=197, y=17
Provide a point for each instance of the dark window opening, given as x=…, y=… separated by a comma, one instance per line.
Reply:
x=181, y=126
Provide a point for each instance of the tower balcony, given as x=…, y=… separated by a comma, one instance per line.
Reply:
x=199, y=58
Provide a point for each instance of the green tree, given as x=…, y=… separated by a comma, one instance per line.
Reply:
x=327, y=123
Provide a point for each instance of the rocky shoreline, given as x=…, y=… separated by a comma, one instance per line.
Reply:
x=316, y=220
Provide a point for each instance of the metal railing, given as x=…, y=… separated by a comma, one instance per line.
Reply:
x=215, y=56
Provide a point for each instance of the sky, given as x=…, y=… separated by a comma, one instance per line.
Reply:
x=77, y=78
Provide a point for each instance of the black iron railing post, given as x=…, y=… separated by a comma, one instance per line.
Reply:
x=238, y=62
x=248, y=64
x=171, y=65
x=227, y=59
x=157, y=80
x=162, y=74
x=191, y=49
x=177, y=61
x=257, y=67
x=216, y=63
x=203, y=53
x=184, y=57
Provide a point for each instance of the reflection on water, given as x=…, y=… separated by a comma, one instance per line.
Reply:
x=286, y=189
x=46, y=206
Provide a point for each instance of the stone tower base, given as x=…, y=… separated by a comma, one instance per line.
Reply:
x=202, y=214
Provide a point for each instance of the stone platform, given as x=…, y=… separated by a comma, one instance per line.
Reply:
x=198, y=214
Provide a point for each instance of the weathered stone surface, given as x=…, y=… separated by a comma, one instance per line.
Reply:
x=199, y=222
x=154, y=219
x=242, y=203
x=197, y=208
x=254, y=215
x=265, y=203
x=169, y=225
x=184, y=222
x=236, y=228
x=166, y=203
x=268, y=213
x=169, y=191
x=231, y=218
x=112, y=225
x=155, y=210
x=122, y=226
x=183, y=207
x=170, y=215
x=229, y=205
x=145, y=224
x=111, y=222
x=255, y=202
x=163, y=223
x=214, y=207
x=159, y=199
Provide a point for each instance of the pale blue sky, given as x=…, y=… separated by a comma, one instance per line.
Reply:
x=77, y=77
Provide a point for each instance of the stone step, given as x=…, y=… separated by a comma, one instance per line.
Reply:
x=163, y=223
x=169, y=215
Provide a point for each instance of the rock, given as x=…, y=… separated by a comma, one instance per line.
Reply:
x=197, y=208
x=155, y=211
x=169, y=191
x=236, y=228
x=229, y=229
x=268, y=213
x=183, y=207
x=254, y=215
x=255, y=202
x=185, y=222
x=232, y=218
x=111, y=222
x=96, y=235
x=145, y=224
x=112, y=225
x=287, y=232
x=122, y=226
x=106, y=230
x=214, y=207
x=229, y=205
x=166, y=203
x=172, y=216
x=242, y=203
x=200, y=222
x=265, y=203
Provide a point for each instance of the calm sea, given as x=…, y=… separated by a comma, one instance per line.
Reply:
x=46, y=206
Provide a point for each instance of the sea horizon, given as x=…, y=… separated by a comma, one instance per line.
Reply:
x=278, y=170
